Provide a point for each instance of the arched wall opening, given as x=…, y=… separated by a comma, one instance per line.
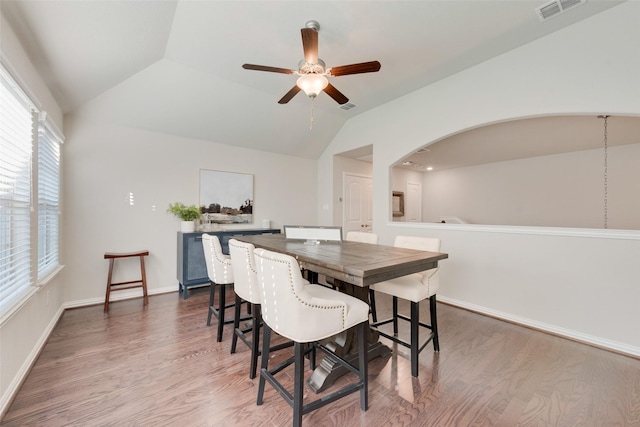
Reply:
x=549, y=171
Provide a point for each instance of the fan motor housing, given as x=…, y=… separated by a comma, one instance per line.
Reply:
x=309, y=68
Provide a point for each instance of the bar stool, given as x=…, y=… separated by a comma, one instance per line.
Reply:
x=220, y=275
x=119, y=286
x=306, y=314
x=414, y=287
x=247, y=290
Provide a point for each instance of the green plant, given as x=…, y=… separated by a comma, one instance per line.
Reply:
x=185, y=213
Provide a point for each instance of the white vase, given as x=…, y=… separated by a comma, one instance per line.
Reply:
x=187, y=226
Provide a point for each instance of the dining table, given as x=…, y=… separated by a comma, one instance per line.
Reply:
x=353, y=266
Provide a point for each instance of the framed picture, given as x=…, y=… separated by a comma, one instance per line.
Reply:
x=226, y=197
x=398, y=203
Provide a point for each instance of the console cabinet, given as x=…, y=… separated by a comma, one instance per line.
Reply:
x=192, y=268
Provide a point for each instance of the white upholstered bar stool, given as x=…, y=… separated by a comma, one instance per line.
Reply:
x=415, y=288
x=362, y=237
x=306, y=314
x=220, y=275
x=247, y=290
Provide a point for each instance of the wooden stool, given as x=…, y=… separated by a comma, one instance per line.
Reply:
x=119, y=286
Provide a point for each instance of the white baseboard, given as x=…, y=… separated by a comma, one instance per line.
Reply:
x=21, y=375
x=544, y=327
x=118, y=296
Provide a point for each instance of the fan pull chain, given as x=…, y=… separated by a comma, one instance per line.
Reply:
x=606, y=146
x=311, y=119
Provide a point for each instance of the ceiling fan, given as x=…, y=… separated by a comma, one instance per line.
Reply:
x=313, y=71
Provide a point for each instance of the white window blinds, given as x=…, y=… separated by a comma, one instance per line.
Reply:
x=49, y=141
x=16, y=136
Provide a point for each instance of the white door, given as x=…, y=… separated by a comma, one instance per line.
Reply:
x=413, y=202
x=357, y=203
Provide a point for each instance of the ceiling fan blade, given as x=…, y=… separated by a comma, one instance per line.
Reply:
x=336, y=94
x=265, y=68
x=363, y=67
x=310, y=45
x=289, y=95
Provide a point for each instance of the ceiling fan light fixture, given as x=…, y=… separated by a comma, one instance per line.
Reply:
x=312, y=84
x=313, y=72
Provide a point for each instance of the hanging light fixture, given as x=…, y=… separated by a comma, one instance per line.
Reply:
x=312, y=78
x=312, y=84
x=606, y=146
x=312, y=81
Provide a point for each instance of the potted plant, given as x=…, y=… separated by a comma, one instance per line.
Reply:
x=187, y=214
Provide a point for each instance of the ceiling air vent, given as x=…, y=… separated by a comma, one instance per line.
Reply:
x=556, y=7
x=348, y=106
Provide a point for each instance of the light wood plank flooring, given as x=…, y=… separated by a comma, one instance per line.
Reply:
x=160, y=365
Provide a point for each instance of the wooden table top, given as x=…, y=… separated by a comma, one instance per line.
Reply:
x=360, y=264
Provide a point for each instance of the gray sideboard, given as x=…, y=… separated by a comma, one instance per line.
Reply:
x=192, y=268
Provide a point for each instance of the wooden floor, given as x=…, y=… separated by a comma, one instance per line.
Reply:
x=160, y=365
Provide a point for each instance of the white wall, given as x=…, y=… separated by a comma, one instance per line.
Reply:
x=24, y=331
x=579, y=283
x=563, y=190
x=104, y=163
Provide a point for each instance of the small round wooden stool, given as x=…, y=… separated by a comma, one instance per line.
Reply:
x=119, y=286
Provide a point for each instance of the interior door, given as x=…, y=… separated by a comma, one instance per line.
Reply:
x=357, y=203
x=413, y=202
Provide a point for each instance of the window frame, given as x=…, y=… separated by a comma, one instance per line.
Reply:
x=48, y=171
x=20, y=236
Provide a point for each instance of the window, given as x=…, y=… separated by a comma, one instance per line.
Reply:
x=22, y=199
x=16, y=136
x=49, y=141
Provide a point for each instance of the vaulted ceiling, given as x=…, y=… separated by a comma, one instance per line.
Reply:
x=175, y=66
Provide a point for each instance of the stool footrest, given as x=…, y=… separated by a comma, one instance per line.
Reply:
x=122, y=288
x=126, y=283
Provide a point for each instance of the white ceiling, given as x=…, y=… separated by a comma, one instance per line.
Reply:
x=525, y=138
x=175, y=66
